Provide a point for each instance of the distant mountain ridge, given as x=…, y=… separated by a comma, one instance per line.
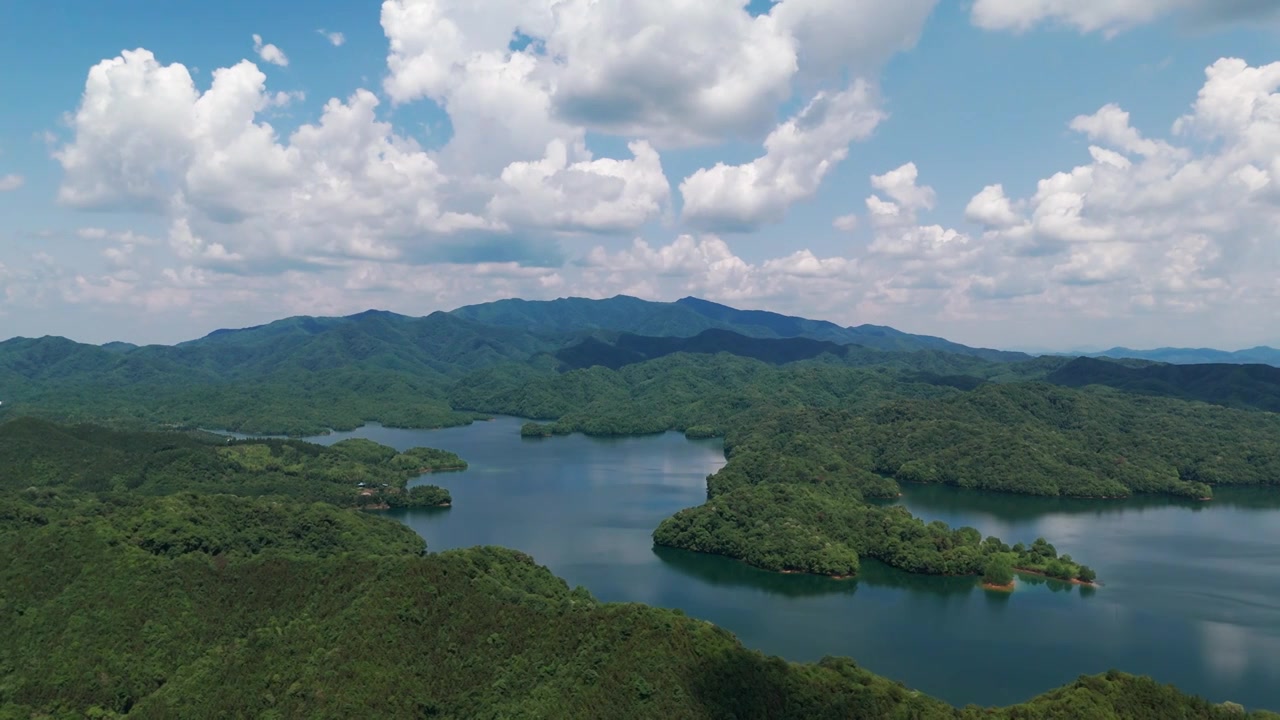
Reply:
x=690, y=316
x=1261, y=354
x=303, y=375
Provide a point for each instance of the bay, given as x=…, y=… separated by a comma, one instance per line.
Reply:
x=1191, y=593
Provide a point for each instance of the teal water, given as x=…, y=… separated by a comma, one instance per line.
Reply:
x=1191, y=595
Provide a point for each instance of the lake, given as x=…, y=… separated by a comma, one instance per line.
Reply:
x=1191, y=591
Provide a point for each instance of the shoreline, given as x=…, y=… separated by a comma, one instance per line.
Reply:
x=1130, y=496
x=1073, y=581
x=787, y=571
x=1000, y=588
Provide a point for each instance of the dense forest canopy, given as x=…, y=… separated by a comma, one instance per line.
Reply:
x=38, y=455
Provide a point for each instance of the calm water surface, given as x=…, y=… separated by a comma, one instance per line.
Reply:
x=1191, y=595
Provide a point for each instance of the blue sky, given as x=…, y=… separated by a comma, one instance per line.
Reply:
x=146, y=207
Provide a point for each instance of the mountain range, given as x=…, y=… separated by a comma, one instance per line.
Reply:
x=307, y=374
x=1262, y=354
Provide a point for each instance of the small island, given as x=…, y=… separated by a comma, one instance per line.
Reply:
x=423, y=460
x=418, y=496
x=702, y=432
x=541, y=430
x=387, y=486
x=535, y=430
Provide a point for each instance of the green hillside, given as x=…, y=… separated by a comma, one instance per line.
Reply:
x=1233, y=385
x=295, y=376
x=38, y=455
x=690, y=316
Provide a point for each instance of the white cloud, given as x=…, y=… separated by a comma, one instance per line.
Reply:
x=191, y=248
x=833, y=36
x=846, y=223
x=147, y=139
x=991, y=208
x=900, y=186
x=1113, y=16
x=674, y=71
x=335, y=39
x=895, y=223
x=804, y=264
x=706, y=266
x=592, y=195
x=1150, y=225
x=269, y=53
x=668, y=71
x=798, y=154
x=11, y=182
x=456, y=53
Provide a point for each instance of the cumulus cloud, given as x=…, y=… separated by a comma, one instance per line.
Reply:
x=833, y=36
x=335, y=39
x=672, y=72
x=845, y=223
x=269, y=53
x=458, y=55
x=798, y=154
x=895, y=221
x=1155, y=224
x=991, y=208
x=12, y=181
x=146, y=139
x=900, y=186
x=592, y=195
x=1113, y=16
x=706, y=266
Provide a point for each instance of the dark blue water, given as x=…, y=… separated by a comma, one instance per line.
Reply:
x=1191, y=595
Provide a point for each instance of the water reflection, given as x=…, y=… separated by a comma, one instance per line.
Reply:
x=723, y=572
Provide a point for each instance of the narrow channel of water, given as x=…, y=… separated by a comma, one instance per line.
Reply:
x=1191, y=595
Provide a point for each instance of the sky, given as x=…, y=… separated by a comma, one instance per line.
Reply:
x=1032, y=174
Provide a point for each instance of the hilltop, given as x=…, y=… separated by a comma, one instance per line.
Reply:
x=690, y=316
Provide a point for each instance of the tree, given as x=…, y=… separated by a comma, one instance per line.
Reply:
x=1055, y=569
x=998, y=572
x=1086, y=574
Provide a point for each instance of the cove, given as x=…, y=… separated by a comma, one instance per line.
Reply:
x=1191, y=594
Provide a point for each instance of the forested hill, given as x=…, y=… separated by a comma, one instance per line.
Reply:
x=36, y=455
x=628, y=349
x=1241, y=386
x=880, y=337
x=298, y=375
x=689, y=316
